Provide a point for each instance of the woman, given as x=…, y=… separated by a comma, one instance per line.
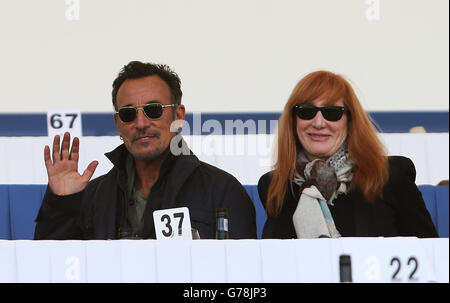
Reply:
x=332, y=176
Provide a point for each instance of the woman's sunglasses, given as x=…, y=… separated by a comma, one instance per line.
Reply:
x=153, y=111
x=309, y=111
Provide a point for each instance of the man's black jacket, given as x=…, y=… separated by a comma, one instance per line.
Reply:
x=97, y=212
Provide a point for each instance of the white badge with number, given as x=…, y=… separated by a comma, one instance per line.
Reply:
x=172, y=224
x=388, y=260
x=61, y=121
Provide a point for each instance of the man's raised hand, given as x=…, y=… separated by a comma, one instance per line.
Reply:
x=63, y=176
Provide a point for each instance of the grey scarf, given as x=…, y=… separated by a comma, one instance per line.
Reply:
x=320, y=183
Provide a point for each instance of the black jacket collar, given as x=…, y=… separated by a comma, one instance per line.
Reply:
x=181, y=166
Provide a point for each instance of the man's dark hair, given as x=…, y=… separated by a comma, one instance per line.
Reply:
x=137, y=69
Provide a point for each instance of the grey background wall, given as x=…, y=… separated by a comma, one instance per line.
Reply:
x=232, y=56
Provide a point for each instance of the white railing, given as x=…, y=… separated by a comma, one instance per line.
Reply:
x=255, y=261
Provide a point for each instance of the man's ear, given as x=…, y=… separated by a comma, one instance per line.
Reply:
x=180, y=115
x=180, y=112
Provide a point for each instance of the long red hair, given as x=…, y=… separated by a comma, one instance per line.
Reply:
x=370, y=170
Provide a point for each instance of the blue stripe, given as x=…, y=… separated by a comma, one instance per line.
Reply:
x=102, y=124
x=401, y=122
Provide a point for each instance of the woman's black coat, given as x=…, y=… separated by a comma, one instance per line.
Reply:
x=401, y=211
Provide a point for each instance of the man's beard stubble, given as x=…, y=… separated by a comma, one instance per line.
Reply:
x=154, y=153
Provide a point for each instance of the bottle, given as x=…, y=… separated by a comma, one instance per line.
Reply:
x=221, y=224
x=345, y=268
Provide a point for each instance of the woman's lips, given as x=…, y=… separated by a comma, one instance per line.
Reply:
x=318, y=137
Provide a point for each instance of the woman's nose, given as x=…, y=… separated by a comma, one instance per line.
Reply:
x=319, y=121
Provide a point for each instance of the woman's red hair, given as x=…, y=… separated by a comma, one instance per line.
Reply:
x=370, y=170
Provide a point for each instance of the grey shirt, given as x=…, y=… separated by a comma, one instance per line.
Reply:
x=137, y=201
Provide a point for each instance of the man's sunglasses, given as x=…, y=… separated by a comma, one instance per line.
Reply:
x=309, y=111
x=153, y=111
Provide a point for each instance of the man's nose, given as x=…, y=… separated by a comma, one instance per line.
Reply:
x=141, y=119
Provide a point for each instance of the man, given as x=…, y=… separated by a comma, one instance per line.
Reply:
x=149, y=172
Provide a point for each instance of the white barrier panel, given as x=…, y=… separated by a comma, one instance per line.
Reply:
x=68, y=262
x=33, y=261
x=244, y=265
x=103, y=261
x=387, y=260
x=173, y=261
x=247, y=157
x=438, y=253
x=315, y=263
x=208, y=261
x=8, y=266
x=278, y=261
x=138, y=259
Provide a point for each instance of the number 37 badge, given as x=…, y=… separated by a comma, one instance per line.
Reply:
x=172, y=224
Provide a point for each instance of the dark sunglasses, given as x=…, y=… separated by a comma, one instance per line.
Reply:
x=309, y=111
x=153, y=111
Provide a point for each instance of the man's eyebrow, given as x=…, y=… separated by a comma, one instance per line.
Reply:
x=148, y=102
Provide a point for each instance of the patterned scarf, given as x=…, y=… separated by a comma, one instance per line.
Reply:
x=320, y=183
